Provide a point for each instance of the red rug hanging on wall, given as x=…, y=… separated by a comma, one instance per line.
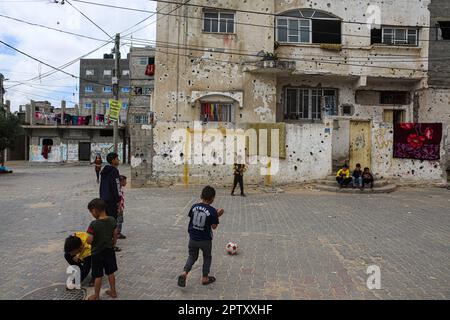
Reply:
x=421, y=141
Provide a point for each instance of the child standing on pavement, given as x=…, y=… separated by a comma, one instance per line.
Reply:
x=123, y=183
x=102, y=236
x=203, y=219
x=98, y=166
x=239, y=170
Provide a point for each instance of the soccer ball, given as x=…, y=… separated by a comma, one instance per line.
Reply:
x=231, y=248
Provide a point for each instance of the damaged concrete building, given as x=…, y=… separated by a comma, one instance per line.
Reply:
x=142, y=68
x=435, y=101
x=333, y=76
x=57, y=135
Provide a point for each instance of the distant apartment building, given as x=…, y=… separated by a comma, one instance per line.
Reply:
x=142, y=68
x=96, y=88
x=61, y=135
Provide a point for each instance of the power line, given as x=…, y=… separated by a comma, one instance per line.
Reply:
x=70, y=63
x=50, y=73
x=51, y=28
x=34, y=86
x=41, y=96
x=155, y=13
x=142, y=21
x=267, y=13
x=77, y=59
x=240, y=23
x=389, y=58
x=92, y=21
x=48, y=65
x=203, y=50
x=294, y=59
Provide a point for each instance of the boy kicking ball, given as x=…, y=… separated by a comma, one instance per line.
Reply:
x=102, y=238
x=203, y=219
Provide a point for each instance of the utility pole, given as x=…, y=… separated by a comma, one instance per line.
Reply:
x=1, y=90
x=116, y=80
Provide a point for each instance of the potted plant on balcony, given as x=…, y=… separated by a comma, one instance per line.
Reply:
x=270, y=56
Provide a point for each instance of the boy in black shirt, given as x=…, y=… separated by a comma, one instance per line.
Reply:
x=357, y=177
x=367, y=178
x=239, y=170
x=102, y=238
x=110, y=185
x=203, y=218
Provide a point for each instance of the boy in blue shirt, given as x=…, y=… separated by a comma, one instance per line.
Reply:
x=203, y=219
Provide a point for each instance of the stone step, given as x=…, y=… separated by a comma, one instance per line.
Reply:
x=333, y=183
x=332, y=178
x=384, y=189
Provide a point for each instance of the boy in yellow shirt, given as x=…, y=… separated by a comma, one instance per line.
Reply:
x=343, y=176
x=78, y=252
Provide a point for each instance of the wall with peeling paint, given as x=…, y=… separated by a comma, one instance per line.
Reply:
x=66, y=143
x=68, y=152
x=435, y=107
x=308, y=156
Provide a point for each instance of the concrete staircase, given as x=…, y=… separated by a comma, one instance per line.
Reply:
x=330, y=184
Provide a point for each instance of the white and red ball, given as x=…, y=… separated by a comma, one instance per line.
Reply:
x=231, y=248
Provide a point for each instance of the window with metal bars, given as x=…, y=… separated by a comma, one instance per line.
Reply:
x=303, y=103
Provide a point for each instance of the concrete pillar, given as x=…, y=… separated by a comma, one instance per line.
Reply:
x=8, y=106
x=32, y=112
x=63, y=111
x=93, y=110
x=77, y=110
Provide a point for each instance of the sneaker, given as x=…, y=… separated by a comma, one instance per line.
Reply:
x=121, y=236
x=243, y=195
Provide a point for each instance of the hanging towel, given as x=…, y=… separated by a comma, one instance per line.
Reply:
x=150, y=70
x=45, y=151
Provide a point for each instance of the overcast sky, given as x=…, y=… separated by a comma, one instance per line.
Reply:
x=57, y=48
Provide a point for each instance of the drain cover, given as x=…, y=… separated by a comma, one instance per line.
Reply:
x=56, y=292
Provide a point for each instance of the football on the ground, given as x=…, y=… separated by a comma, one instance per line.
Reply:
x=231, y=248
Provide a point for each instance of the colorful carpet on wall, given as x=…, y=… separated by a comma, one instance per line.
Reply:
x=421, y=141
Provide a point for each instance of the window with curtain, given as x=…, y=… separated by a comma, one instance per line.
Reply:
x=216, y=112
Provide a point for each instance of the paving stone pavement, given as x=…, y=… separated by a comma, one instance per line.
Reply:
x=301, y=244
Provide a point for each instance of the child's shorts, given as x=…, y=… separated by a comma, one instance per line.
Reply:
x=105, y=260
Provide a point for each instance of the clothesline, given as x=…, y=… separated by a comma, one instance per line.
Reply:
x=72, y=119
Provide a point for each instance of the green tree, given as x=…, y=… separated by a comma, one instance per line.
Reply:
x=10, y=128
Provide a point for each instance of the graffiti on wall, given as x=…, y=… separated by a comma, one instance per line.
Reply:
x=103, y=149
x=53, y=156
x=72, y=152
